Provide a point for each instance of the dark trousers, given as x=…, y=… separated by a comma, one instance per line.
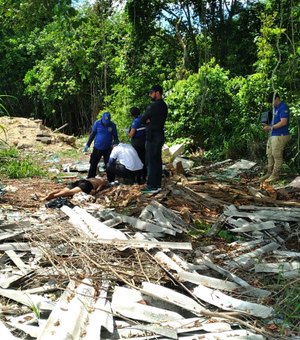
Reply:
x=94, y=161
x=154, y=146
x=121, y=171
x=141, y=151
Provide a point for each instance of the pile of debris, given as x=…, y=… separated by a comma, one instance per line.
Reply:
x=24, y=133
x=124, y=265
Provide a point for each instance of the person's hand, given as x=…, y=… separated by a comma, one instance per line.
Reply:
x=266, y=127
x=85, y=149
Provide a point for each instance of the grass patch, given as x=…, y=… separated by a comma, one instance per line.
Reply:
x=74, y=154
x=13, y=165
x=287, y=306
x=227, y=236
x=199, y=228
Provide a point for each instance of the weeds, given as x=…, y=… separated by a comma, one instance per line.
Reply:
x=12, y=165
x=287, y=307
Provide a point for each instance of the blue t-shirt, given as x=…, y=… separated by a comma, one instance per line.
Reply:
x=281, y=111
x=104, y=134
x=140, y=129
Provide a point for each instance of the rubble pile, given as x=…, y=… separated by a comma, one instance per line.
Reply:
x=123, y=265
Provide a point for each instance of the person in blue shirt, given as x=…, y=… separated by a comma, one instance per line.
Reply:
x=104, y=134
x=137, y=133
x=279, y=136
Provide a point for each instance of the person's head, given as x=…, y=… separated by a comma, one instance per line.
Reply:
x=273, y=98
x=105, y=119
x=135, y=111
x=156, y=92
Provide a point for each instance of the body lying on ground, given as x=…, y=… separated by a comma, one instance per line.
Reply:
x=89, y=186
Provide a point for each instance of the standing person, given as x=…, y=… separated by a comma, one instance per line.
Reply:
x=279, y=137
x=125, y=162
x=154, y=118
x=137, y=133
x=104, y=134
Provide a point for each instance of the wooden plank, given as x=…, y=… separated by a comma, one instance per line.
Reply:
x=146, y=226
x=10, y=234
x=173, y=297
x=5, y=332
x=264, y=214
x=133, y=243
x=94, y=228
x=247, y=260
x=276, y=209
x=24, y=268
x=248, y=288
x=175, y=219
x=286, y=253
x=127, y=302
x=229, y=303
x=243, y=226
x=207, y=281
x=7, y=279
x=160, y=219
x=18, y=246
x=101, y=316
x=217, y=226
x=67, y=320
x=286, y=269
x=16, y=225
x=23, y=298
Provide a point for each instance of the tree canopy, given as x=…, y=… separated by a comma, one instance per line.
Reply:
x=66, y=62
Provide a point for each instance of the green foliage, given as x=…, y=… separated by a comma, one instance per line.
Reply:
x=227, y=236
x=12, y=165
x=287, y=307
x=199, y=229
x=199, y=105
x=65, y=65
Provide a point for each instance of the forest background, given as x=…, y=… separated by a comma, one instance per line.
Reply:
x=67, y=61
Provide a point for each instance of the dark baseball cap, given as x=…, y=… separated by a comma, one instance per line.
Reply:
x=156, y=88
x=106, y=118
x=272, y=96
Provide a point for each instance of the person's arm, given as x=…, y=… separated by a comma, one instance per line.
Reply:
x=281, y=123
x=146, y=117
x=132, y=132
x=91, y=138
x=113, y=156
x=115, y=134
x=65, y=192
x=99, y=187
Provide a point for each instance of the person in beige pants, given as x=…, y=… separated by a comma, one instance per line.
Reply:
x=279, y=137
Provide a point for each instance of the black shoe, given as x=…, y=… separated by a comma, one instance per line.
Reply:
x=58, y=202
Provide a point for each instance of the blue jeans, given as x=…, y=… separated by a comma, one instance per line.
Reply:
x=154, y=145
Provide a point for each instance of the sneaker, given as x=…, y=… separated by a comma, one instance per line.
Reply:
x=148, y=190
x=57, y=203
x=112, y=184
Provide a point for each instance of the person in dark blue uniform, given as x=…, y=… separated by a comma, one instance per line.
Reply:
x=154, y=118
x=137, y=133
x=104, y=134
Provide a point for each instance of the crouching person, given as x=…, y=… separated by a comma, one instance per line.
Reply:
x=124, y=162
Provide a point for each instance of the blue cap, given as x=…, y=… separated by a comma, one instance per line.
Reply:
x=105, y=118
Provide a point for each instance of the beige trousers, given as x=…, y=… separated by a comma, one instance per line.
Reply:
x=275, y=147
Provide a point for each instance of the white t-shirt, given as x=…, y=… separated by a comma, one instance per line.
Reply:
x=127, y=156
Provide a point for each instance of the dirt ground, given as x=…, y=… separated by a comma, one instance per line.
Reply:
x=26, y=193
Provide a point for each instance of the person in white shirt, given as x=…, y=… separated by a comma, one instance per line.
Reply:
x=124, y=162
